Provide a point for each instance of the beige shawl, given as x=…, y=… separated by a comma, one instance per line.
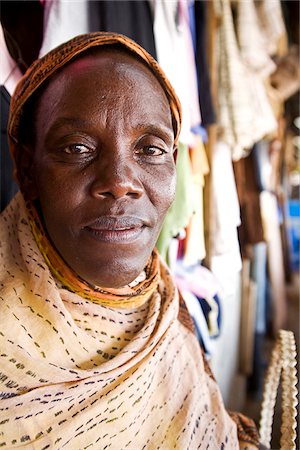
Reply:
x=77, y=375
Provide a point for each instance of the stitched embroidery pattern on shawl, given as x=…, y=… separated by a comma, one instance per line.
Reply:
x=80, y=375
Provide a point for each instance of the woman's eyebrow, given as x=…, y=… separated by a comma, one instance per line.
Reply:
x=159, y=130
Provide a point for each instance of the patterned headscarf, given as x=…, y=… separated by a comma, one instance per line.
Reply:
x=42, y=69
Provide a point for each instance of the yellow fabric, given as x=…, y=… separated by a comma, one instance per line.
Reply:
x=78, y=375
x=194, y=248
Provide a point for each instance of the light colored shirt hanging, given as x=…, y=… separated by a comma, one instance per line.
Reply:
x=63, y=20
x=271, y=23
x=271, y=225
x=245, y=114
x=252, y=43
x=194, y=243
x=174, y=48
x=9, y=70
x=225, y=251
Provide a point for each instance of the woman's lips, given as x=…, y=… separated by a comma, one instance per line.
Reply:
x=123, y=229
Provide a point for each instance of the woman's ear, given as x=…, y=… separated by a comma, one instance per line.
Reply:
x=25, y=172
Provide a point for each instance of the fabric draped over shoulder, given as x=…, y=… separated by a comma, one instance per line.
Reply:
x=76, y=374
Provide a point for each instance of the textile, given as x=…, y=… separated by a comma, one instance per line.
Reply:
x=194, y=244
x=63, y=21
x=9, y=71
x=252, y=45
x=134, y=294
x=58, y=57
x=8, y=187
x=22, y=23
x=245, y=114
x=75, y=374
x=225, y=218
x=133, y=19
x=271, y=23
x=174, y=48
x=182, y=208
x=224, y=194
x=208, y=114
x=9, y=76
x=271, y=226
x=251, y=228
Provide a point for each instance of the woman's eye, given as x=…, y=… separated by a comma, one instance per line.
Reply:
x=150, y=151
x=77, y=149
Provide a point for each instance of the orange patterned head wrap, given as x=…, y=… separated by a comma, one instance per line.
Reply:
x=45, y=67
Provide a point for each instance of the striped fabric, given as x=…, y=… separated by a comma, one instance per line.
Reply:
x=79, y=375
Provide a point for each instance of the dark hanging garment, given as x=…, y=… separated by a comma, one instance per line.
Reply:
x=22, y=23
x=8, y=187
x=131, y=18
x=205, y=98
x=251, y=229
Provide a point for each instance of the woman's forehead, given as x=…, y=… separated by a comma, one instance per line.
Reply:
x=112, y=73
x=116, y=61
x=98, y=89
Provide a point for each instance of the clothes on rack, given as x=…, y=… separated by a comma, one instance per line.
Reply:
x=9, y=76
x=207, y=107
x=182, y=208
x=242, y=97
x=62, y=21
x=133, y=19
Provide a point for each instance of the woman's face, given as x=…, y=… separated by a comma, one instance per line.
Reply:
x=103, y=166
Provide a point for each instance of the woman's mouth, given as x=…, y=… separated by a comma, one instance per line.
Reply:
x=109, y=229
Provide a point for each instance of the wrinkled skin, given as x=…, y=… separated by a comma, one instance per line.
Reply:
x=103, y=170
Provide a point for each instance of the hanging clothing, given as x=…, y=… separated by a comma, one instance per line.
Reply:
x=271, y=225
x=183, y=207
x=225, y=199
x=271, y=23
x=251, y=41
x=225, y=250
x=8, y=186
x=245, y=114
x=131, y=18
x=175, y=55
x=63, y=20
x=22, y=23
x=202, y=284
x=194, y=244
x=76, y=373
x=251, y=228
x=207, y=109
x=200, y=322
x=9, y=76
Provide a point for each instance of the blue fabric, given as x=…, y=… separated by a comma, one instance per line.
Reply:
x=259, y=275
x=200, y=131
x=192, y=23
x=206, y=308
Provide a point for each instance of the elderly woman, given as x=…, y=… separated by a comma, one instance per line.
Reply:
x=97, y=351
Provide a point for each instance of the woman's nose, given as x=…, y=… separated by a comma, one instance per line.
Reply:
x=116, y=179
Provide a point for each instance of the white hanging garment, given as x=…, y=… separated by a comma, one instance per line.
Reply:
x=63, y=20
x=172, y=55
